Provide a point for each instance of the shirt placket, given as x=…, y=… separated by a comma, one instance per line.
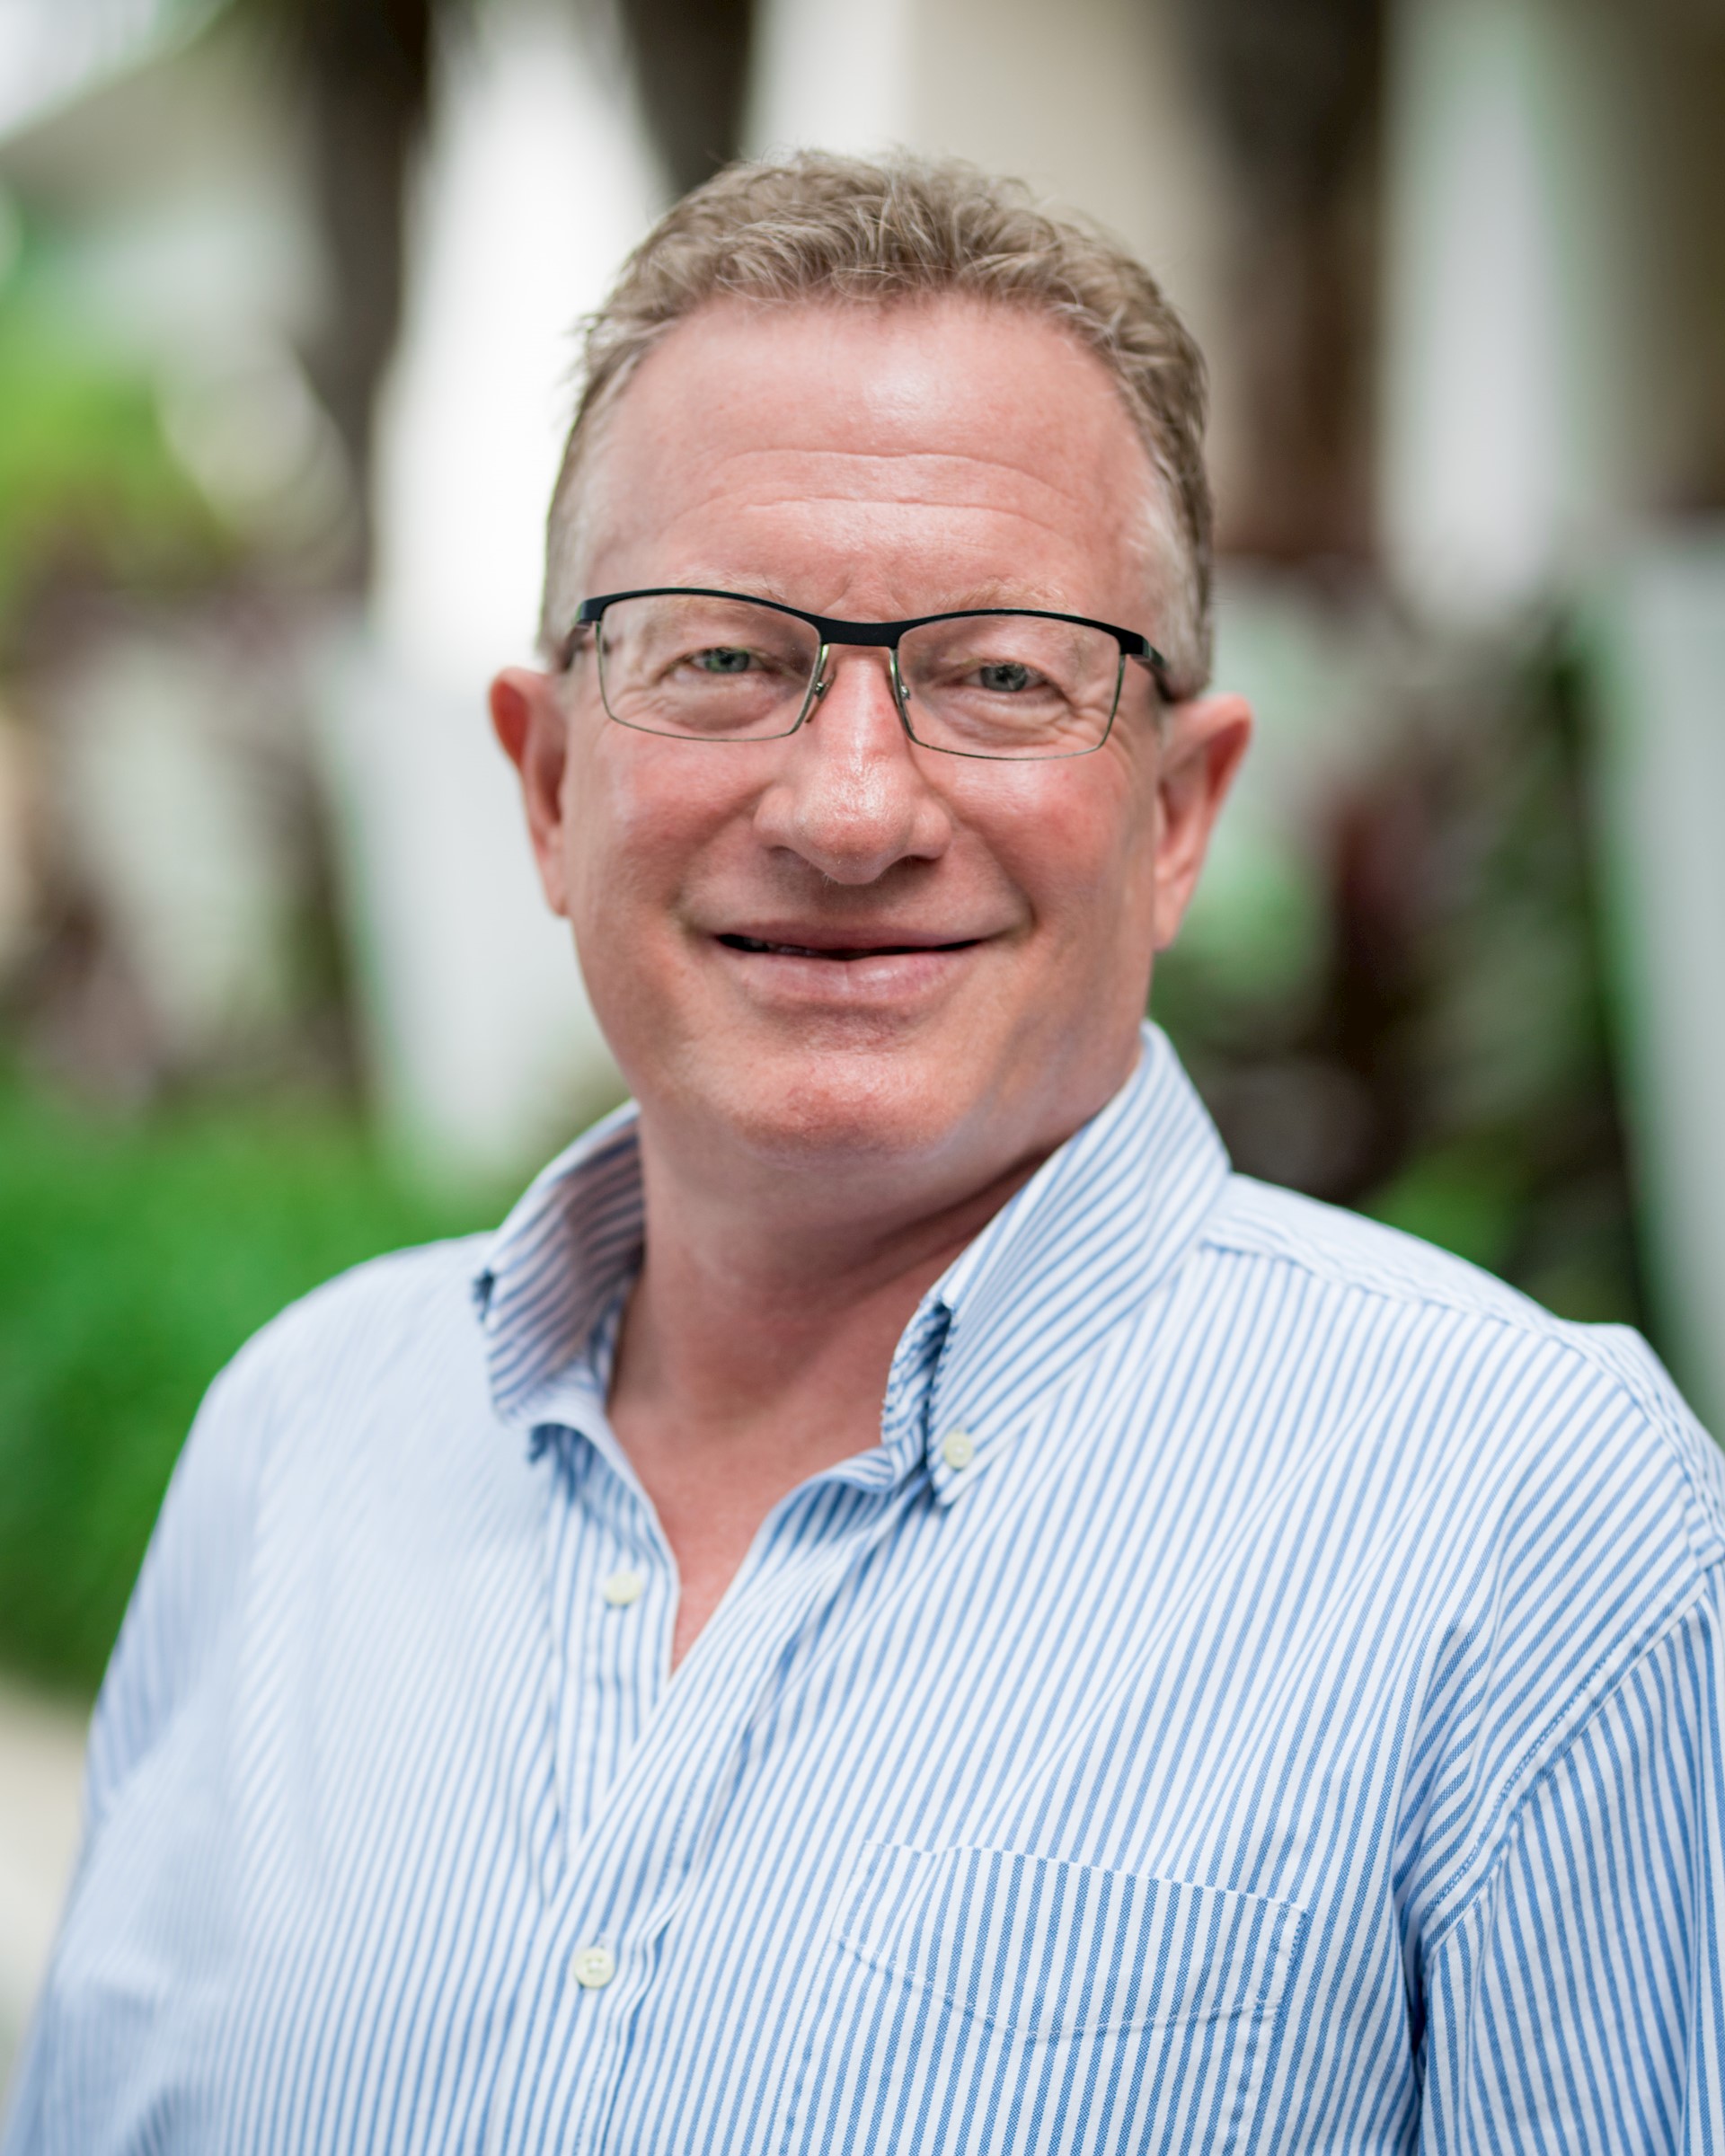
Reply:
x=612, y=1587
x=605, y=1923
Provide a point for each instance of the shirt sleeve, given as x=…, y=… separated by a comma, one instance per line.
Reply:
x=1575, y=2003
x=193, y=1570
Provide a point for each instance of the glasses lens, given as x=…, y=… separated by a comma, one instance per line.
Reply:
x=710, y=669
x=1006, y=684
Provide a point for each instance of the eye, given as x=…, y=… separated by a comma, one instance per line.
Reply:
x=1005, y=677
x=722, y=658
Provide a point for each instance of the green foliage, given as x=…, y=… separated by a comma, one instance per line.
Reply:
x=135, y=1259
x=88, y=483
x=1423, y=1030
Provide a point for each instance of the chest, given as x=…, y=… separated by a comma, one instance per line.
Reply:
x=1020, y=1808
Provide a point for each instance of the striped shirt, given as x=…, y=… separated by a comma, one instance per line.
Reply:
x=1261, y=1692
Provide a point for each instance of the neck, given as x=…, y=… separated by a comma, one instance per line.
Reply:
x=743, y=1311
x=756, y=1345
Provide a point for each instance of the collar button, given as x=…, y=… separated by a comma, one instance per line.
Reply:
x=957, y=1449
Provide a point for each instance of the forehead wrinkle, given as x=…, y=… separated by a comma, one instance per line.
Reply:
x=936, y=478
x=970, y=517
x=880, y=545
x=968, y=521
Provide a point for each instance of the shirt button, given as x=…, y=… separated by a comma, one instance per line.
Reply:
x=594, y=1966
x=621, y=1588
x=957, y=1449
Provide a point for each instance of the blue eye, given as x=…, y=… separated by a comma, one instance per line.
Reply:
x=723, y=658
x=1005, y=677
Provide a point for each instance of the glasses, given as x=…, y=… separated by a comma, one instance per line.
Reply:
x=1012, y=683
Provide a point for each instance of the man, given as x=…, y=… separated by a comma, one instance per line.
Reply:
x=897, y=1604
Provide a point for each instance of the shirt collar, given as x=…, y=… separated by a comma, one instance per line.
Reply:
x=1103, y=1222
x=1105, y=1218
x=558, y=1262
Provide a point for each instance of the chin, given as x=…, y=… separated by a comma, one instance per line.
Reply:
x=834, y=1110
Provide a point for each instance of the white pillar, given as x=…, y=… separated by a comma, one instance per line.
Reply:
x=536, y=182
x=1091, y=102
x=831, y=73
x=1662, y=785
x=1473, y=446
x=1507, y=284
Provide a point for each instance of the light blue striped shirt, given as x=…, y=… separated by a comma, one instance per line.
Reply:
x=1262, y=1693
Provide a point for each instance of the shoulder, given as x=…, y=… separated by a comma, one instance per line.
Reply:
x=392, y=1344
x=377, y=1300
x=1350, y=1252
x=284, y=1406
x=1565, y=1511
x=408, y=1315
x=1533, y=1396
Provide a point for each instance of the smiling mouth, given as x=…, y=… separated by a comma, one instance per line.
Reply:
x=845, y=953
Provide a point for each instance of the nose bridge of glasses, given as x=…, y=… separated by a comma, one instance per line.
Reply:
x=875, y=638
x=831, y=648
x=837, y=635
x=864, y=635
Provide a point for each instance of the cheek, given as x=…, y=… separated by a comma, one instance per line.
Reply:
x=624, y=851
x=623, y=816
x=1080, y=846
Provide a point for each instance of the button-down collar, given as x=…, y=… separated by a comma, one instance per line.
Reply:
x=1104, y=1219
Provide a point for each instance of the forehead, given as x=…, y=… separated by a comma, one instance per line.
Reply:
x=959, y=437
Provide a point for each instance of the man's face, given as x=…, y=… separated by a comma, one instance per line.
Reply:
x=969, y=942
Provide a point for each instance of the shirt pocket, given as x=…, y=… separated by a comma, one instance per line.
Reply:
x=987, y=2000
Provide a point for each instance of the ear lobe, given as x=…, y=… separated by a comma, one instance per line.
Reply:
x=532, y=729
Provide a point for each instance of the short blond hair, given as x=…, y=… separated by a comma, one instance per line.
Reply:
x=816, y=227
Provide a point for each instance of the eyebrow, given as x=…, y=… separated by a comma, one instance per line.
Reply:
x=993, y=591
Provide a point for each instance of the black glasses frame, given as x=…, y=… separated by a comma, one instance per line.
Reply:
x=876, y=636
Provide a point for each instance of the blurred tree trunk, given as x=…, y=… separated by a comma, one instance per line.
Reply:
x=364, y=71
x=691, y=61
x=1294, y=89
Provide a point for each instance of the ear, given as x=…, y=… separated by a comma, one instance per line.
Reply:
x=530, y=721
x=1202, y=744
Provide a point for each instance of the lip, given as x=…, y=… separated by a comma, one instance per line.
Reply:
x=795, y=964
x=845, y=947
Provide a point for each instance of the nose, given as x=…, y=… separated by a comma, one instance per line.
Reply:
x=851, y=797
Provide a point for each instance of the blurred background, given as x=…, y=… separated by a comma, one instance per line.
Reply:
x=286, y=295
